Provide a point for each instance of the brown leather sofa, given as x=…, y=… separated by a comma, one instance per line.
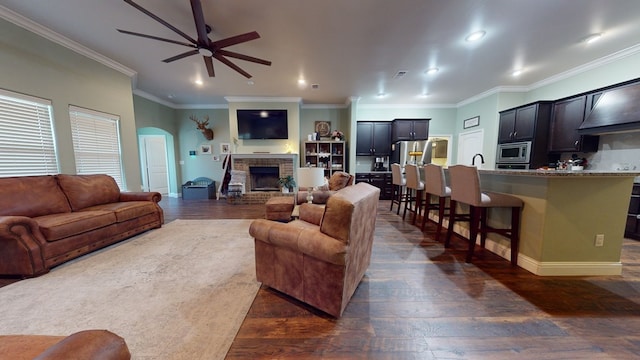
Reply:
x=280, y=208
x=47, y=220
x=321, y=258
x=88, y=344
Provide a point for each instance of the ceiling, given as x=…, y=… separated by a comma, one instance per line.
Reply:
x=349, y=48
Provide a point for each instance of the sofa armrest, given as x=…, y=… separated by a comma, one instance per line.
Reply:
x=141, y=196
x=88, y=344
x=20, y=246
x=319, y=196
x=311, y=213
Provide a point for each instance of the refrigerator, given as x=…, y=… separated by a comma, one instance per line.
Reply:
x=417, y=152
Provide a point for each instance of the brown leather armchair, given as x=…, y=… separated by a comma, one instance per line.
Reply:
x=321, y=258
x=88, y=344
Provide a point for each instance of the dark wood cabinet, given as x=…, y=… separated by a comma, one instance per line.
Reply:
x=567, y=116
x=409, y=129
x=524, y=123
x=373, y=138
x=381, y=180
x=632, y=230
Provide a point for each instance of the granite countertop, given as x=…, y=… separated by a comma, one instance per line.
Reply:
x=561, y=173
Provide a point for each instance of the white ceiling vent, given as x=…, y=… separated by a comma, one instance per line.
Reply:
x=400, y=74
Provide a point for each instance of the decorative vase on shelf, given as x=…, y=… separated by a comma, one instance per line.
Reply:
x=336, y=138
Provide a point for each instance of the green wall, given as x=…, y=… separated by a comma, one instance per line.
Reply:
x=35, y=66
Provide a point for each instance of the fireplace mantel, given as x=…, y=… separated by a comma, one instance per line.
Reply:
x=265, y=156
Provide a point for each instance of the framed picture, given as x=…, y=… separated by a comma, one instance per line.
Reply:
x=205, y=149
x=224, y=148
x=474, y=121
x=323, y=128
x=215, y=158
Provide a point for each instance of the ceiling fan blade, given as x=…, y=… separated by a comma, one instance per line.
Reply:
x=209, y=64
x=235, y=40
x=156, y=38
x=235, y=67
x=243, y=57
x=201, y=26
x=181, y=56
x=156, y=18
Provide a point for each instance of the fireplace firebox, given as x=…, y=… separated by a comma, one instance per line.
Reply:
x=264, y=178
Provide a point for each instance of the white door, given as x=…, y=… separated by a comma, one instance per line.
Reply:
x=154, y=163
x=469, y=144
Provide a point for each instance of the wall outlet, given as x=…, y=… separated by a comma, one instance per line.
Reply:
x=599, y=240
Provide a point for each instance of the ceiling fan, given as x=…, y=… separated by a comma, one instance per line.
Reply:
x=203, y=45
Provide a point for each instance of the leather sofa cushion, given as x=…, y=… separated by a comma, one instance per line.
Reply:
x=59, y=226
x=126, y=210
x=88, y=190
x=339, y=180
x=31, y=196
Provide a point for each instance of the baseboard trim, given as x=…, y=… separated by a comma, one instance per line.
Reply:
x=547, y=268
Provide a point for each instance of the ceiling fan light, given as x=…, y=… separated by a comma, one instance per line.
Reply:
x=205, y=52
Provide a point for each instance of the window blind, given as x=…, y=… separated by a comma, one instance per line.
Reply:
x=27, y=145
x=96, y=143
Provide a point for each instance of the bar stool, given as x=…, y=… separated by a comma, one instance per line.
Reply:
x=465, y=188
x=399, y=185
x=415, y=188
x=436, y=185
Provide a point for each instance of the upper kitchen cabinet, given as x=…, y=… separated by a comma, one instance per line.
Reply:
x=409, y=129
x=567, y=117
x=615, y=109
x=373, y=138
x=525, y=122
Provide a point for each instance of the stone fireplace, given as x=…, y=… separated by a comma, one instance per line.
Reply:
x=262, y=178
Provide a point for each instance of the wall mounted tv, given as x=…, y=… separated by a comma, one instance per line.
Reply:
x=262, y=124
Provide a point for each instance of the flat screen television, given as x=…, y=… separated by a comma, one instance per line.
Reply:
x=262, y=124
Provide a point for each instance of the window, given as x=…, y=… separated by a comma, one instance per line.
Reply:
x=27, y=144
x=96, y=143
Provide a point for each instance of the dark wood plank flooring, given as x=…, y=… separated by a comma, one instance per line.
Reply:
x=420, y=301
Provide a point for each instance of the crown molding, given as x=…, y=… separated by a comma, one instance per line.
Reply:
x=267, y=99
x=632, y=50
x=406, y=106
x=51, y=35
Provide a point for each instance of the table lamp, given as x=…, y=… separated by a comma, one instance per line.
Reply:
x=310, y=177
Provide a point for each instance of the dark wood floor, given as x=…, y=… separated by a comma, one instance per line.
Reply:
x=420, y=301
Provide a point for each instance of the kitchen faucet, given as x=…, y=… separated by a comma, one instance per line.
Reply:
x=473, y=160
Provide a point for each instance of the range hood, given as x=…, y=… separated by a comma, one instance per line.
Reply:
x=617, y=110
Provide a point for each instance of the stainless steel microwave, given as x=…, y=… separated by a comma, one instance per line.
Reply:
x=514, y=153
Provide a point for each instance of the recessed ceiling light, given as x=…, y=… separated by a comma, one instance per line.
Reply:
x=431, y=71
x=516, y=72
x=475, y=36
x=302, y=82
x=250, y=82
x=198, y=82
x=592, y=38
x=423, y=95
x=381, y=95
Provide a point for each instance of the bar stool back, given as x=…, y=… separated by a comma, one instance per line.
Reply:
x=399, y=185
x=415, y=188
x=436, y=185
x=465, y=189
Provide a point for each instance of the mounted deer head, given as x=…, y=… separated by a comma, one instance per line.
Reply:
x=202, y=126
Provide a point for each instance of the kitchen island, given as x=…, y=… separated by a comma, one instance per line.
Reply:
x=563, y=214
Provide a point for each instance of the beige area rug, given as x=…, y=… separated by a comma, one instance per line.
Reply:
x=179, y=292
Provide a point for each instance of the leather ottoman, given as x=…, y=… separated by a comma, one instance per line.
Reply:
x=279, y=208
